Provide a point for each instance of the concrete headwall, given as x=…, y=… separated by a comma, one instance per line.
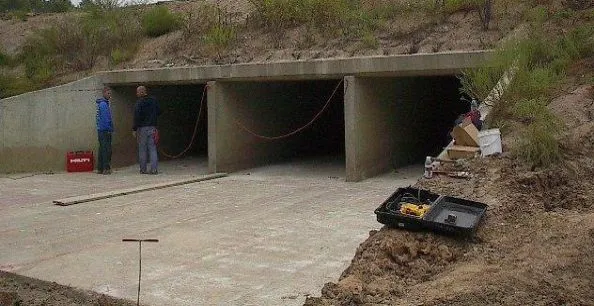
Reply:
x=38, y=128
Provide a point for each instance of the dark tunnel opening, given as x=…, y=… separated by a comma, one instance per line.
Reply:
x=424, y=112
x=182, y=107
x=439, y=106
x=274, y=109
x=325, y=136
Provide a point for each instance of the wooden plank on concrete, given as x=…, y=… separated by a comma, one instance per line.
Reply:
x=123, y=192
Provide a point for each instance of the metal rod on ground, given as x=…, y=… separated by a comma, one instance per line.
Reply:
x=139, y=261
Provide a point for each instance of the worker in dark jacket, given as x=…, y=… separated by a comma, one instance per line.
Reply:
x=104, y=131
x=146, y=112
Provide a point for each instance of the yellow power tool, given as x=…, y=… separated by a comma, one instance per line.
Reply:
x=414, y=209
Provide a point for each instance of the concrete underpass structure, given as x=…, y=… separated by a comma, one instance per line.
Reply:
x=387, y=112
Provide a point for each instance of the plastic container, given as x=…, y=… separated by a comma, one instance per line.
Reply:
x=389, y=212
x=490, y=142
x=455, y=216
x=446, y=215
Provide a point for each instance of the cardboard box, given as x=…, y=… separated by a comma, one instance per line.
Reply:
x=459, y=152
x=466, y=134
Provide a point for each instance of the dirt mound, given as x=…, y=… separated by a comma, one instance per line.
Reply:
x=537, y=238
x=20, y=290
x=391, y=260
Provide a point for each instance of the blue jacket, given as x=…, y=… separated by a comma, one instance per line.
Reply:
x=104, y=123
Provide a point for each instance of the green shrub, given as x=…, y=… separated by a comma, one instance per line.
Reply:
x=118, y=55
x=12, y=86
x=535, y=83
x=75, y=43
x=220, y=38
x=18, y=15
x=159, y=20
x=538, y=14
x=579, y=43
x=370, y=40
x=538, y=146
x=536, y=110
x=540, y=63
x=5, y=59
x=563, y=14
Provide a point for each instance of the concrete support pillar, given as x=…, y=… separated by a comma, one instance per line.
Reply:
x=124, y=147
x=214, y=92
x=368, y=131
x=231, y=148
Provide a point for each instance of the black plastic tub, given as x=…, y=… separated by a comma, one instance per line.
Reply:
x=466, y=216
x=389, y=212
x=448, y=215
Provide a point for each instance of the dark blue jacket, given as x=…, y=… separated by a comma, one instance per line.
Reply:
x=146, y=112
x=104, y=123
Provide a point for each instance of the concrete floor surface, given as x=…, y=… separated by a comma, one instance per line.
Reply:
x=266, y=236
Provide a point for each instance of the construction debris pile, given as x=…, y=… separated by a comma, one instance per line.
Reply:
x=468, y=142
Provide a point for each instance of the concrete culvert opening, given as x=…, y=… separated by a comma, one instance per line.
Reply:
x=183, y=124
x=398, y=121
x=180, y=106
x=432, y=105
x=293, y=126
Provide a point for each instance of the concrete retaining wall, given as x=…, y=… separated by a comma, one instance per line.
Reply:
x=38, y=128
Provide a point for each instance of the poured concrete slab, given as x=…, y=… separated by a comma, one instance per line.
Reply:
x=43, y=188
x=258, y=239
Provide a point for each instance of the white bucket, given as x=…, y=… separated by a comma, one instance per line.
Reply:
x=490, y=142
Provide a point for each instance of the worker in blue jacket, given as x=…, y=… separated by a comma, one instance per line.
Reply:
x=104, y=131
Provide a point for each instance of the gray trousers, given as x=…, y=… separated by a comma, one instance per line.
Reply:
x=147, y=146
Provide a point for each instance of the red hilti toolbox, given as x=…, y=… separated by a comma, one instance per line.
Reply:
x=80, y=161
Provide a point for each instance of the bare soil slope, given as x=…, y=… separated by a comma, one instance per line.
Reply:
x=414, y=32
x=20, y=290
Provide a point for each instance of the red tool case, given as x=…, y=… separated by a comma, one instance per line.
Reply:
x=80, y=161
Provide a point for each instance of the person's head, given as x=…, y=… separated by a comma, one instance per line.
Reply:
x=141, y=91
x=106, y=92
